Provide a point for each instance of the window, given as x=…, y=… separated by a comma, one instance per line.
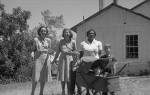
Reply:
x=132, y=49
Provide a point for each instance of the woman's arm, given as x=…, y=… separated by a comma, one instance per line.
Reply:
x=100, y=48
x=81, y=54
x=33, y=48
x=74, y=48
x=57, y=53
x=50, y=51
x=81, y=50
x=114, y=68
x=99, y=53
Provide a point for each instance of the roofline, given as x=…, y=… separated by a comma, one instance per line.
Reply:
x=97, y=13
x=139, y=4
x=106, y=8
x=129, y=10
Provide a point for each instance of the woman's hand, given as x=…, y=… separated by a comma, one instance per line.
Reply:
x=50, y=52
x=32, y=54
x=74, y=68
x=69, y=52
x=75, y=53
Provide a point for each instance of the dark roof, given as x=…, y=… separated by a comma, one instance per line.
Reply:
x=140, y=4
x=106, y=8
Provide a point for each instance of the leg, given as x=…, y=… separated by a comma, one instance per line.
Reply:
x=68, y=88
x=97, y=93
x=63, y=87
x=79, y=91
x=104, y=93
x=42, y=84
x=88, y=92
x=33, y=87
x=83, y=90
x=72, y=82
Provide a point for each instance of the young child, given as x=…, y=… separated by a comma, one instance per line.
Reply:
x=97, y=71
x=74, y=67
x=110, y=68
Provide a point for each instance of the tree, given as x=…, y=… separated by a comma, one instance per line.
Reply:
x=13, y=26
x=53, y=23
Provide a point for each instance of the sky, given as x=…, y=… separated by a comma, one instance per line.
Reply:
x=72, y=10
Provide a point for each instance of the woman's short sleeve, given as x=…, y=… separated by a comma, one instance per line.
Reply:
x=74, y=45
x=81, y=46
x=49, y=42
x=59, y=46
x=100, y=47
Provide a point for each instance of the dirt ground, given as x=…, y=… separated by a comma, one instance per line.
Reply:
x=129, y=86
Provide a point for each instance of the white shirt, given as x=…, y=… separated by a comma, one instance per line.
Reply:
x=91, y=49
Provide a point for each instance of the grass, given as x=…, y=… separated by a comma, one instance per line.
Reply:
x=129, y=86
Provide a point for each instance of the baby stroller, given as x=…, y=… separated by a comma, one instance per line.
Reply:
x=86, y=78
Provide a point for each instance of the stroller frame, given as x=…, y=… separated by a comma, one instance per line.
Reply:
x=97, y=83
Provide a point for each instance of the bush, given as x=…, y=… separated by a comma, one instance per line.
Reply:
x=23, y=74
x=17, y=70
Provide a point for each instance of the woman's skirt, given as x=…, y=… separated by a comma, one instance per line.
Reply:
x=42, y=68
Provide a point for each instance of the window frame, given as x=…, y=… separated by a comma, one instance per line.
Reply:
x=124, y=47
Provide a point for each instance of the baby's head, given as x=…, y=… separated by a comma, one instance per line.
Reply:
x=97, y=70
x=107, y=48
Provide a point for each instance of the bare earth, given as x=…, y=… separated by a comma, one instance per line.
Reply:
x=129, y=86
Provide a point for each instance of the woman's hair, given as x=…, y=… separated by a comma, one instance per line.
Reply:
x=71, y=34
x=87, y=33
x=39, y=30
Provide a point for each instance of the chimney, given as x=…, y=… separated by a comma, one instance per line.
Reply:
x=115, y=1
x=100, y=5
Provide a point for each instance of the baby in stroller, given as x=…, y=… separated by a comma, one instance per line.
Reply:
x=98, y=67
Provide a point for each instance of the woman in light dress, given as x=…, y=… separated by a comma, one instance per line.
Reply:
x=42, y=64
x=65, y=49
